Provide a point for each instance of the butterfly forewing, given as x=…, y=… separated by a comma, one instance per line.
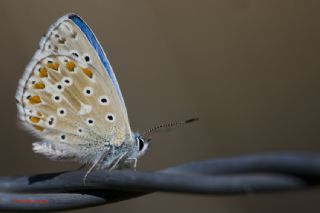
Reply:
x=67, y=97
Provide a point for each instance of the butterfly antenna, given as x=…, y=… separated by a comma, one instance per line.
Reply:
x=168, y=125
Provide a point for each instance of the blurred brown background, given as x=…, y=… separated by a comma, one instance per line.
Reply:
x=249, y=69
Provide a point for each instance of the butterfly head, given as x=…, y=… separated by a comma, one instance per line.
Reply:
x=141, y=145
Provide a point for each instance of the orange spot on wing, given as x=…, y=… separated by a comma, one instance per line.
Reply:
x=87, y=72
x=34, y=99
x=70, y=65
x=43, y=72
x=39, y=128
x=53, y=66
x=39, y=85
x=34, y=119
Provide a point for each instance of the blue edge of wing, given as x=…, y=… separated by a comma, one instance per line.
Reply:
x=93, y=41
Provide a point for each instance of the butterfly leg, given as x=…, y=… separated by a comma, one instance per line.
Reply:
x=116, y=162
x=94, y=165
x=133, y=162
x=82, y=166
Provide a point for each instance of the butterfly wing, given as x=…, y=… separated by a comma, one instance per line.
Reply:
x=69, y=95
x=102, y=56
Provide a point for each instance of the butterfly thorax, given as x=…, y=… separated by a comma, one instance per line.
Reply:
x=123, y=156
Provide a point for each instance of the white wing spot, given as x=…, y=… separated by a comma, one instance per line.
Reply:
x=85, y=109
x=74, y=54
x=63, y=137
x=56, y=98
x=103, y=100
x=67, y=81
x=90, y=121
x=26, y=96
x=87, y=91
x=110, y=117
x=86, y=58
x=51, y=121
x=61, y=112
x=59, y=87
x=48, y=61
x=80, y=131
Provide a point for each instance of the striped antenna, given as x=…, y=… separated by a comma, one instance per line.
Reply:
x=167, y=125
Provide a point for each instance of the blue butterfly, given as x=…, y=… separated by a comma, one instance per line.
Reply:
x=70, y=98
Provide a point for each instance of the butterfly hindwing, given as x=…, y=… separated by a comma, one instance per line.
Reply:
x=69, y=95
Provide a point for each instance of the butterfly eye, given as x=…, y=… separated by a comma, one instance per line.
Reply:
x=141, y=143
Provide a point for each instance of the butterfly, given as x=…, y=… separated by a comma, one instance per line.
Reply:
x=69, y=97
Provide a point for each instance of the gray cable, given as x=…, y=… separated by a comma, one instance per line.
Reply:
x=228, y=176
